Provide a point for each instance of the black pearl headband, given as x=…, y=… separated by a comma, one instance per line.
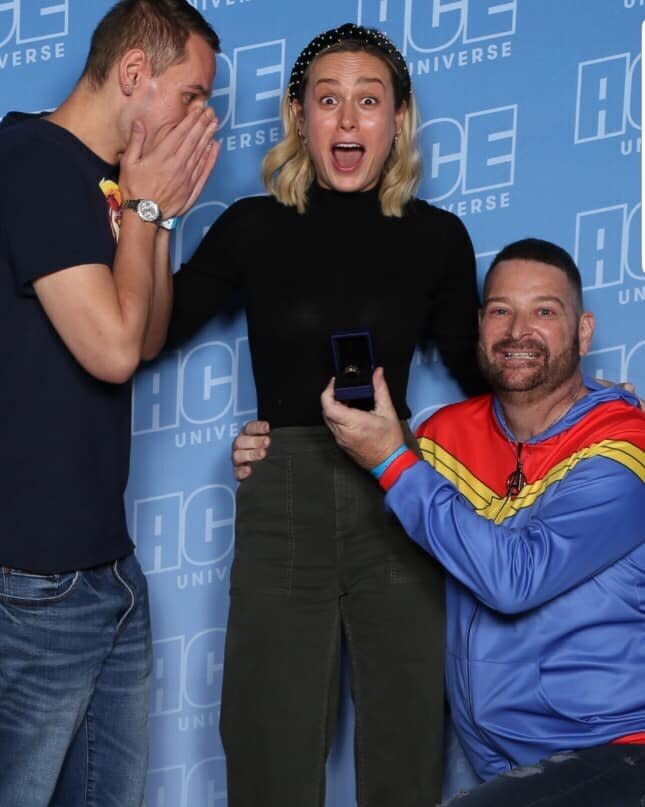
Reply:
x=357, y=33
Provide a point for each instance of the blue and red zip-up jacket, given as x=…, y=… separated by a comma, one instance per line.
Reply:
x=546, y=589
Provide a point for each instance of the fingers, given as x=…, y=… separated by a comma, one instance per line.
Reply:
x=168, y=168
x=201, y=173
x=199, y=139
x=182, y=139
x=204, y=150
x=626, y=385
x=250, y=446
x=255, y=427
x=191, y=159
x=187, y=147
x=382, y=400
x=134, y=148
x=333, y=411
x=246, y=442
x=327, y=394
x=242, y=472
x=242, y=456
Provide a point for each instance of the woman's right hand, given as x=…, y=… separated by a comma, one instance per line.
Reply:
x=250, y=446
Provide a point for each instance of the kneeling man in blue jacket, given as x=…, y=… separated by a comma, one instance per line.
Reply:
x=533, y=499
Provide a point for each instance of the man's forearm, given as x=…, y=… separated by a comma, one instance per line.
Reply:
x=134, y=273
x=162, y=296
x=514, y=568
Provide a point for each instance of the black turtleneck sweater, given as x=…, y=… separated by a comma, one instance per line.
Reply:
x=340, y=266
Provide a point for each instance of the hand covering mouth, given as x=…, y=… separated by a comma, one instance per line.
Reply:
x=347, y=156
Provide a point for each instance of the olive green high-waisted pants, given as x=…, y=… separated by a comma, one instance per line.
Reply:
x=317, y=557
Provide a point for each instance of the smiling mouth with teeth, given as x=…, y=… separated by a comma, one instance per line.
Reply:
x=520, y=355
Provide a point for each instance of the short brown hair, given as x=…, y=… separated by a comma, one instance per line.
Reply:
x=159, y=27
x=540, y=251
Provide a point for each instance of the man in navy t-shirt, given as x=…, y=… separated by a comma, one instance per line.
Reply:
x=85, y=290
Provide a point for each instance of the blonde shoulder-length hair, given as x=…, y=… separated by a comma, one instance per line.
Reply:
x=287, y=169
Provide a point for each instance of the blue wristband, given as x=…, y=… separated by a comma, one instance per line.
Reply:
x=383, y=466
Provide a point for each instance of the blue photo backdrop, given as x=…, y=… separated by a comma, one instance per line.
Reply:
x=530, y=125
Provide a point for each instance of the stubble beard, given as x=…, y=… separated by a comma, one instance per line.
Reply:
x=548, y=375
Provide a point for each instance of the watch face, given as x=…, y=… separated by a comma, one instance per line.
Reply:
x=148, y=210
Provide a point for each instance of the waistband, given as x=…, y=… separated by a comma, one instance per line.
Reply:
x=59, y=572
x=295, y=439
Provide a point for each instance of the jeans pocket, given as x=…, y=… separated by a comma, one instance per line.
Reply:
x=27, y=588
x=129, y=573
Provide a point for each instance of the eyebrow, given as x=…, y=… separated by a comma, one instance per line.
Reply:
x=361, y=80
x=199, y=88
x=544, y=298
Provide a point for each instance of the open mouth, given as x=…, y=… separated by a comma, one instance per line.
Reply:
x=347, y=156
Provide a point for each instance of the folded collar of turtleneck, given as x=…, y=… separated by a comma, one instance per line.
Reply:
x=328, y=198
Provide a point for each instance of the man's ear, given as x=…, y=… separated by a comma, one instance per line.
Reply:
x=586, y=326
x=133, y=65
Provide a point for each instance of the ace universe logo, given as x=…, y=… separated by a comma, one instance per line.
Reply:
x=441, y=35
x=608, y=101
x=32, y=31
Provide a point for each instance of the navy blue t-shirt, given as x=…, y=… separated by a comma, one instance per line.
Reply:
x=65, y=435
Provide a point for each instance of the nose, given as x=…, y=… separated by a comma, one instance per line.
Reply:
x=347, y=117
x=519, y=325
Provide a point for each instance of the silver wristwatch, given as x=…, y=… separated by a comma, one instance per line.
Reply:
x=147, y=210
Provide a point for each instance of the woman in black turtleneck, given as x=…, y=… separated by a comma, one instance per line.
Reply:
x=339, y=245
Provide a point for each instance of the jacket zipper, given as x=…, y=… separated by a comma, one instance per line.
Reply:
x=516, y=479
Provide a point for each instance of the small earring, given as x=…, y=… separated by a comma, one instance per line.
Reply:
x=127, y=89
x=396, y=137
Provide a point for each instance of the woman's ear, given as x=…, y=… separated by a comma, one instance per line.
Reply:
x=298, y=113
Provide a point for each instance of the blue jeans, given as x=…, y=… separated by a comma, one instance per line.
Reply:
x=458, y=773
x=75, y=661
x=601, y=776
